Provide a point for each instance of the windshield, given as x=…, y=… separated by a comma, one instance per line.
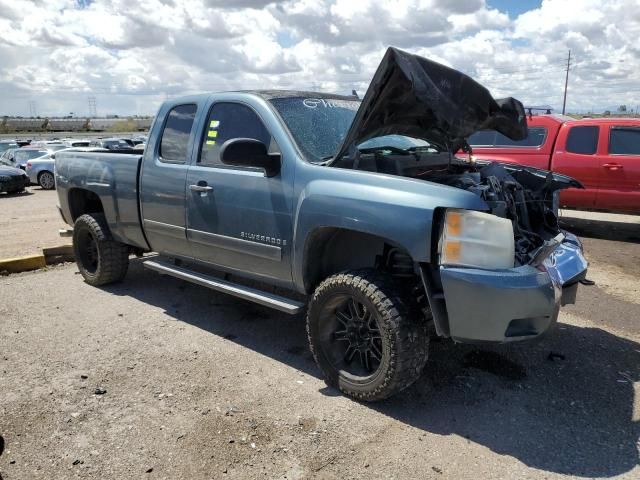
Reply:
x=318, y=125
x=55, y=147
x=116, y=143
x=24, y=155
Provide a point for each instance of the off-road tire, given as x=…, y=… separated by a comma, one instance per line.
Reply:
x=111, y=257
x=403, y=332
x=45, y=185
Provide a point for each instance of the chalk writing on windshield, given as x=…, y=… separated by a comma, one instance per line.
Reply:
x=330, y=103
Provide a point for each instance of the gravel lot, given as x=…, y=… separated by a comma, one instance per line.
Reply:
x=201, y=385
x=29, y=222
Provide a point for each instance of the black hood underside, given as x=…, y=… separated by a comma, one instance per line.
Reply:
x=413, y=96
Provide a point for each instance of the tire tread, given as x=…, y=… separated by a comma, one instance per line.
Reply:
x=408, y=331
x=113, y=255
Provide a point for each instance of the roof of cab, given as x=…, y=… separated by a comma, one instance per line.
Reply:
x=268, y=95
x=541, y=120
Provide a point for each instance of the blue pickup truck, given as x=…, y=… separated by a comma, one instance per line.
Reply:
x=356, y=211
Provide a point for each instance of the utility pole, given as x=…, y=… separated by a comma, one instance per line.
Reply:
x=32, y=108
x=566, y=83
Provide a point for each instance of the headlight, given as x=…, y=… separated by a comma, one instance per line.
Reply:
x=476, y=239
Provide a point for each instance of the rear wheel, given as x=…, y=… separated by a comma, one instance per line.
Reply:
x=363, y=336
x=101, y=259
x=46, y=180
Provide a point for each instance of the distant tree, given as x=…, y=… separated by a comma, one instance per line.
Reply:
x=622, y=108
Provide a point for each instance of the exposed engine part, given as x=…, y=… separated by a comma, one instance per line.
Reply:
x=529, y=197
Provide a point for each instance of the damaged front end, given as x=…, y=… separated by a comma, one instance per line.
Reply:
x=499, y=275
x=528, y=197
x=503, y=274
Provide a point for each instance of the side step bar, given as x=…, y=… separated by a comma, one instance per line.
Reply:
x=267, y=299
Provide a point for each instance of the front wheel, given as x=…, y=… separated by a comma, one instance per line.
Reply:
x=364, y=337
x=101, y=259
x=46, y=181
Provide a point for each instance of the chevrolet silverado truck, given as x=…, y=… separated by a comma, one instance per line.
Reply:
x=355, y=211
x=603, y=154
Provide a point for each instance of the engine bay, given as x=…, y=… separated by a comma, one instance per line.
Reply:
x=529, y=197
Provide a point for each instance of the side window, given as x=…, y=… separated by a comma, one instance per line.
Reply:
x=226, y=121
x=583, y=140
x=535, y=138
x=482, y=138
x=174, y=144
x=492, y=138
x=624, y=141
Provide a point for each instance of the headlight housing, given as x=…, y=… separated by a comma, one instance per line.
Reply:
x=476, y=239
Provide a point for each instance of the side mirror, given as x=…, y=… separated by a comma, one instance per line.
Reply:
x=248, y=152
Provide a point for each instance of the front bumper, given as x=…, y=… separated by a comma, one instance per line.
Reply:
x=512, y=304
x=13, y=183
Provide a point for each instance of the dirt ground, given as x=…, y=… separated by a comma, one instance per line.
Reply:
x=156, y=378
x=29, y=222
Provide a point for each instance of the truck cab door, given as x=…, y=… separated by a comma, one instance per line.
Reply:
x=577, y=154
x=620, y=170
x=237, y=218
x=163, y=181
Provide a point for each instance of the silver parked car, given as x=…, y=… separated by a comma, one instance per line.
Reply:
x=41, y=170
x=19, y=157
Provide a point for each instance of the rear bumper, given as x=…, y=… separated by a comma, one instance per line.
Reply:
x=514, y=304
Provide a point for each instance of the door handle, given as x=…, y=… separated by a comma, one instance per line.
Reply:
x=613, y=166
x=200, y=188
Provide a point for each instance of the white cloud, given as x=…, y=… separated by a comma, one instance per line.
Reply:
x=131, y=54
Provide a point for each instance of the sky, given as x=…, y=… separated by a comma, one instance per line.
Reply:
x=130, y=55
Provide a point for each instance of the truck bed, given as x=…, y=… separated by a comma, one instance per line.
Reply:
x=113, y=178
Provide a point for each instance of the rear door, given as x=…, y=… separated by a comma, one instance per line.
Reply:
x=620, y=171
x=163, y=180
x=579, y=153
x=238, y=219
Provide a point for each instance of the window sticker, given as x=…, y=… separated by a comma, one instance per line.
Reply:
x=212, y=133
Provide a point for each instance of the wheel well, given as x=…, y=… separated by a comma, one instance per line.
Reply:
x=83, y=201
x=330, y=250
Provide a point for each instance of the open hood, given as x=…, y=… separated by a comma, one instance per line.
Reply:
x=410, y=95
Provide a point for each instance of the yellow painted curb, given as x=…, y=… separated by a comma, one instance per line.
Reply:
x=22, y=264
x=49, y=256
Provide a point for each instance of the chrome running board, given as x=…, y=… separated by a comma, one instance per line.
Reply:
x=267, y=299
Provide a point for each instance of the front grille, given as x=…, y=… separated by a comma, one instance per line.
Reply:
x=12, y=182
